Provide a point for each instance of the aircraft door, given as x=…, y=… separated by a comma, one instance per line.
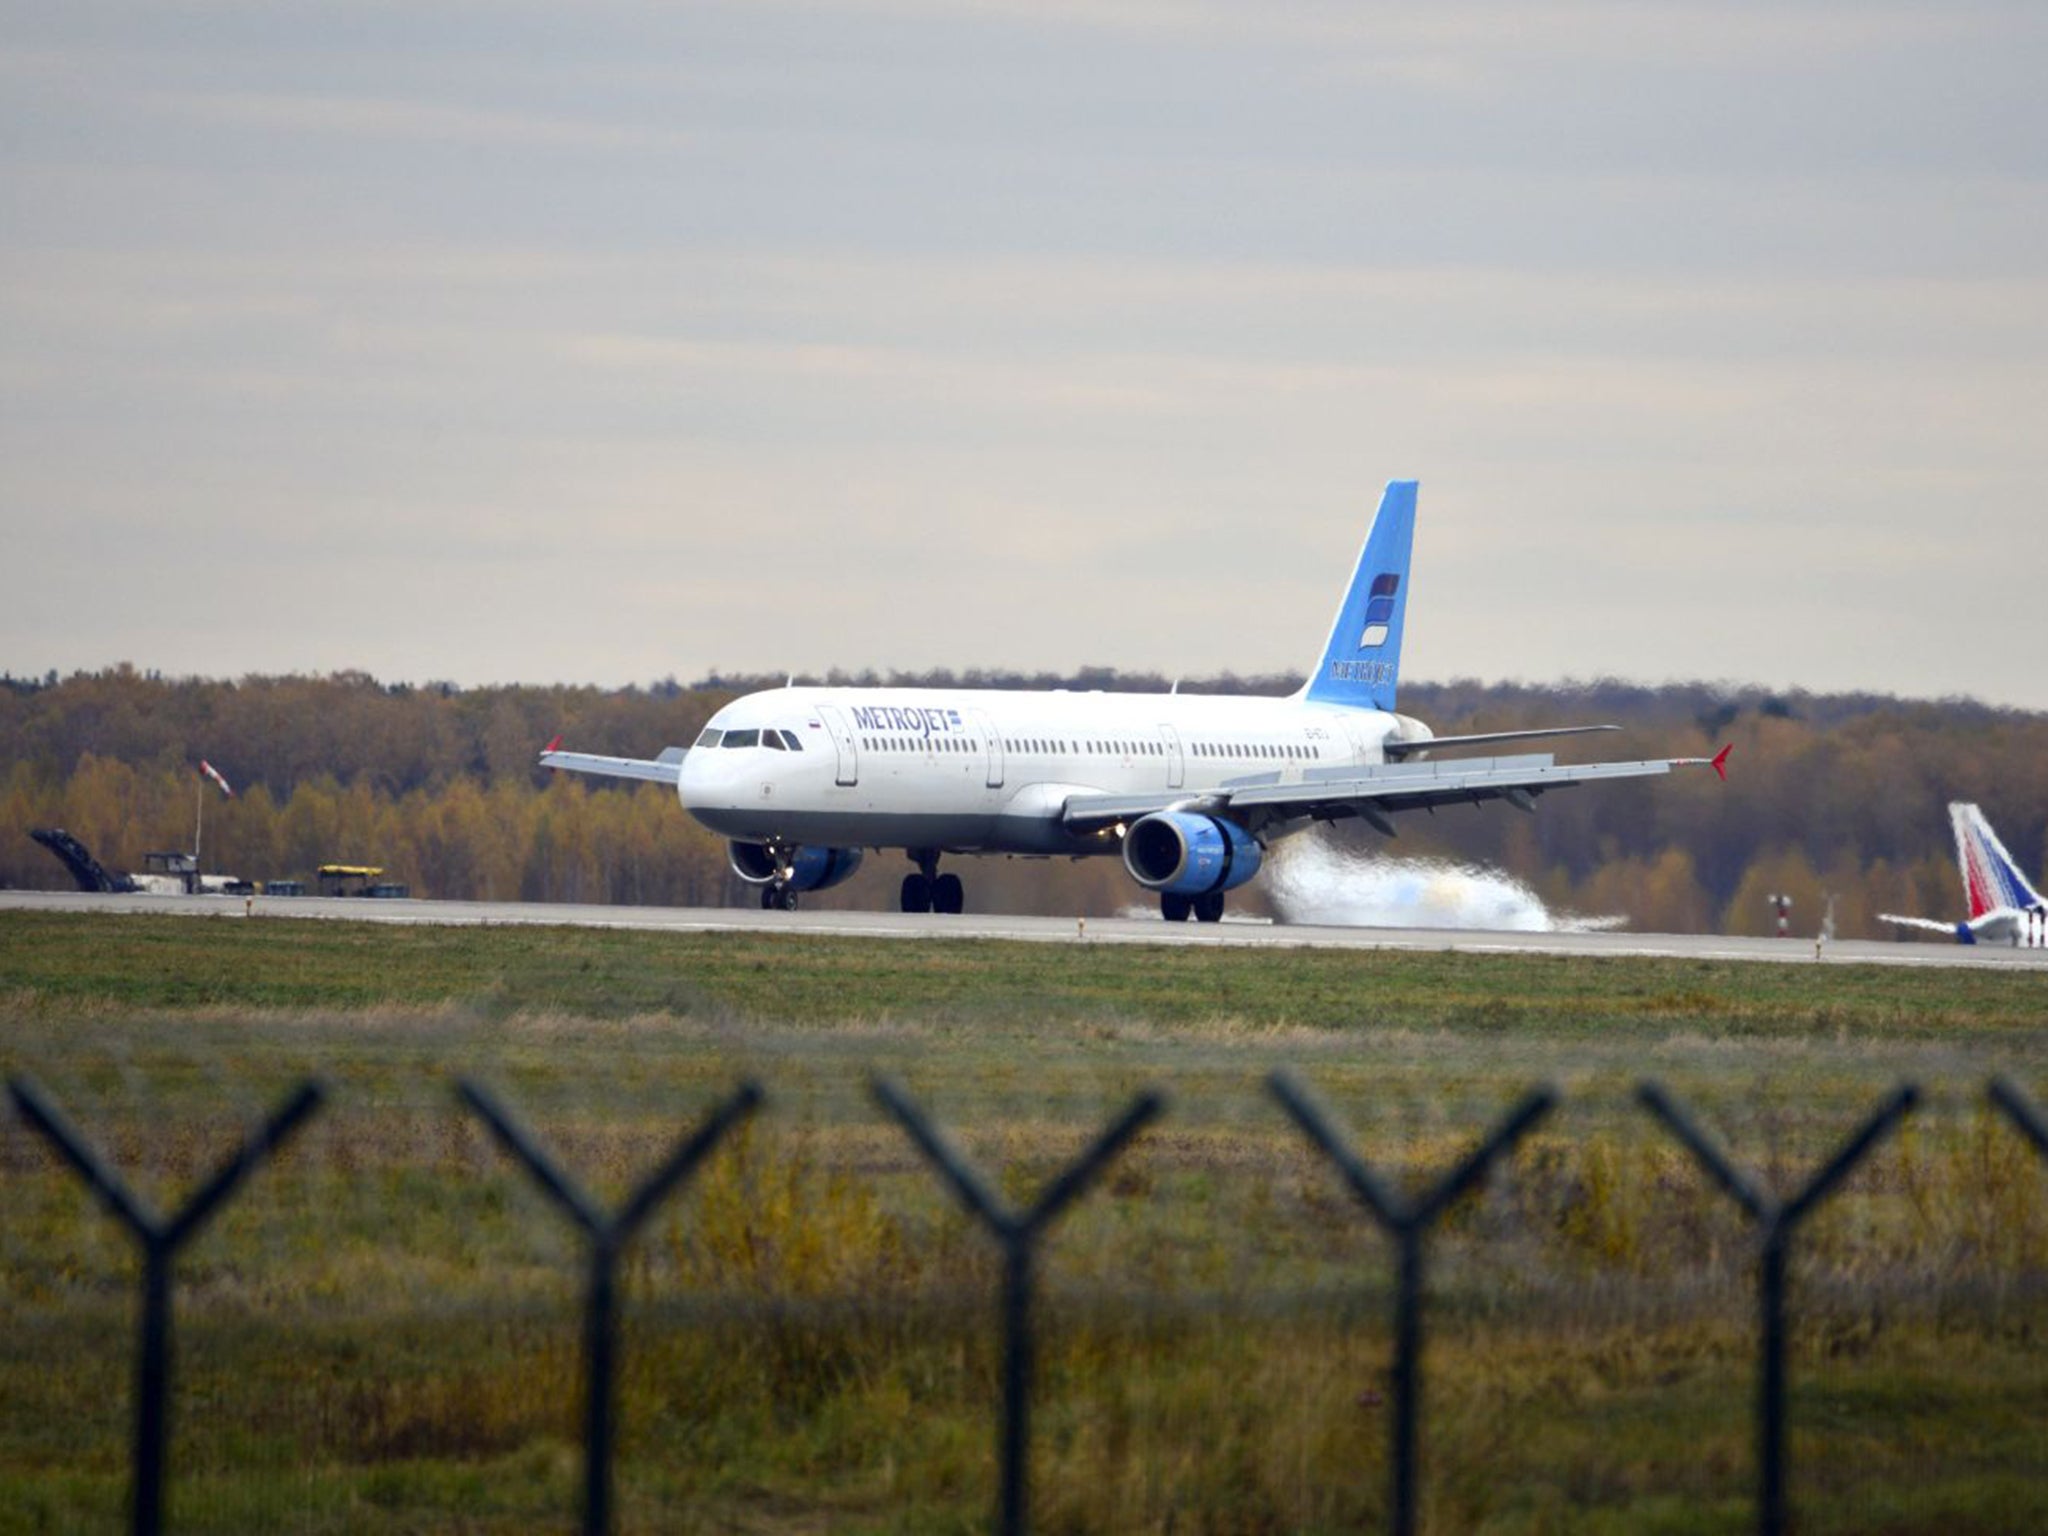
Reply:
x=844, y=743
x=1174, y=774
x=993, y=741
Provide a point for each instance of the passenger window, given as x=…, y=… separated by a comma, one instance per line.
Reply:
x=709, y=738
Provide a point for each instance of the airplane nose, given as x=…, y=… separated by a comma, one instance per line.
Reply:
x=699, y=768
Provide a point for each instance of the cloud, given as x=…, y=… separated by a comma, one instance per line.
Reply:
x=402, y=121
x=1712, y=332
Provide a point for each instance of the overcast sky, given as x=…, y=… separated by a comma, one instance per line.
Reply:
x=607, y=341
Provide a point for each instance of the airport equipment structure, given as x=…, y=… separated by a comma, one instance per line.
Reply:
x=92, y=876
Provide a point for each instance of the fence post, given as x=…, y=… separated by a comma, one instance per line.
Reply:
x=1775, y=1221
x=159, y=1238
x=608, y=1236
x=1408, y=1223
x=1018, y=1233
x=2026, y=1119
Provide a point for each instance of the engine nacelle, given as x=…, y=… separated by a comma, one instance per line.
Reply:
x=808, y=869
x=1185, y=853
x=1409, y=731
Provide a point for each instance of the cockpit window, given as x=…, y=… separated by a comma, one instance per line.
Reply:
x=789, y=740
x=742, y=738
x=709, y=738
x=773, y=741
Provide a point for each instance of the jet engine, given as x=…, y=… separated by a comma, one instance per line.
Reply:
x=1185, y=853
x=805, y=869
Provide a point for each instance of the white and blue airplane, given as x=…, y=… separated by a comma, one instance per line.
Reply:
x=2004, y=907
x=1190, y=790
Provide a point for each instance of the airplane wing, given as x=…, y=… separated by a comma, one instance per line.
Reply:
x=1397, y=750
x=1374, y=793
x=665, y=769
x=1946, y=930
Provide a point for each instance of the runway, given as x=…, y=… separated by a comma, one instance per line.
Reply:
x=1042, y=930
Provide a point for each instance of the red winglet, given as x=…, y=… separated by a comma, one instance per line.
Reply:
x=558, y=741
x=1721, y=761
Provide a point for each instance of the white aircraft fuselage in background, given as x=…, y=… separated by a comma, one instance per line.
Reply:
x=1189, y=789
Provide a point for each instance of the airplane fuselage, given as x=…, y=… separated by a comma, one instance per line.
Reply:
x=988, y=771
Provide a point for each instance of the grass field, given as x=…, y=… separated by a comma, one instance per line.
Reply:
x=381, y=1332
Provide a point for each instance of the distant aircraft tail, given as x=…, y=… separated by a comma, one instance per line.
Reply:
x=1991, y=880
x=1361, y=663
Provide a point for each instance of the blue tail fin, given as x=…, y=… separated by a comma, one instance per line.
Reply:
x=1361, y=664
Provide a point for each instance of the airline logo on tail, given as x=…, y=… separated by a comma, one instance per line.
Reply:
x=1379, y=609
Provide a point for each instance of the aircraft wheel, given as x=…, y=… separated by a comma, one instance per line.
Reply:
x=785, y=898
x=1175, y=909
x=767, y=898
x=1209, y=908
x=917, y=894
x=948, y=895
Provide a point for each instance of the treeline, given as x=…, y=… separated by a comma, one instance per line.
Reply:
x=1835, y=800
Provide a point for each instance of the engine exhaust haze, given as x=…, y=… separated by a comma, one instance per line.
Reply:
x=1316, y=882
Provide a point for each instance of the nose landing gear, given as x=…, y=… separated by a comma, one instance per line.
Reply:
x=779, y=894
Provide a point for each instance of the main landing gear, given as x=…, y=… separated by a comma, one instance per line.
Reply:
x=778, y=898
x=1205, y=909
x=930, y=891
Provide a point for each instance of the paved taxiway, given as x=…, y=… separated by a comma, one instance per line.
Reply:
x=1049, y=930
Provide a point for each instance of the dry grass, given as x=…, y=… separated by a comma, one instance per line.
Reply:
x=381, y=1331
